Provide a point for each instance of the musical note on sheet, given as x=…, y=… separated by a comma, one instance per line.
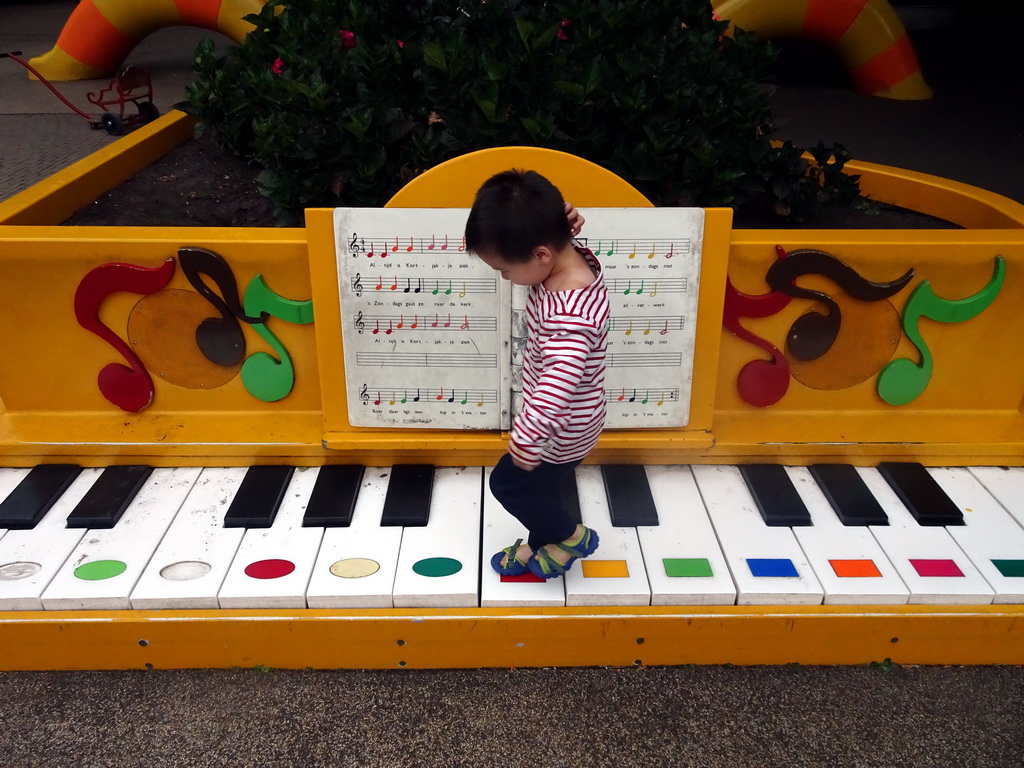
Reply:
x=427, y=396
x=642, y=396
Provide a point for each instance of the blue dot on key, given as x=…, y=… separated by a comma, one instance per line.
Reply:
x=771, y=566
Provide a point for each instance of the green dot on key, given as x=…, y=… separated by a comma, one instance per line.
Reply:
x=97, y=570
x=1010, y=568
x=687, y=566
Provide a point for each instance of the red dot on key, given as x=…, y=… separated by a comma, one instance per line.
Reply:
x=269, y=569
x=936, y=568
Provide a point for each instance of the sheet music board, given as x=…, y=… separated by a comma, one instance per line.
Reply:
x=433, y=337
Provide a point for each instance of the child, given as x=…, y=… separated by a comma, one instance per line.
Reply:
x=520, y=226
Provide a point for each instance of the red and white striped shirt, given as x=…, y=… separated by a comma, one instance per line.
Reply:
x=563, y=372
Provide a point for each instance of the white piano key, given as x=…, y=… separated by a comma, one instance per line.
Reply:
x=1007, y=485
x=449, y=544
x=190, y=564
x=29, y=559
x=931, y=548
x=827, y=543
x=501, y=530
x=989, y=536
x=284, y=553
x=614, y=574
x=120, y=554
x=746, y=542
x=356, y=565
x=683, y=541
x=9, y=480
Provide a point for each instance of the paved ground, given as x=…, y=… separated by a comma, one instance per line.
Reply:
x=685, y=716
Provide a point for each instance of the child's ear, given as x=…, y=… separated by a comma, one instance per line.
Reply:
x=543, y=254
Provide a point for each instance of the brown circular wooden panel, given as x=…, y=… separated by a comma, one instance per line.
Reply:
x=162, y=331
x=868, y=335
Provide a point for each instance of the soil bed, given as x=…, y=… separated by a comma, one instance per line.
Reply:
x=198, y=184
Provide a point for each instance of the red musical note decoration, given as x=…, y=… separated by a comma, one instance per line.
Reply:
x=129, y=387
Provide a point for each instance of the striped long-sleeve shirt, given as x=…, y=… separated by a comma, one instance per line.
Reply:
x=564, y=407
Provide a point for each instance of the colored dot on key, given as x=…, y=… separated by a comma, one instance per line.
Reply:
x=936, y=568
x=846, y=569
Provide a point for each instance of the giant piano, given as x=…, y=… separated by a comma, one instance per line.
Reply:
x=182, y=486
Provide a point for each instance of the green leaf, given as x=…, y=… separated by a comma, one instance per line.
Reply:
x=524, y=28
x=573, y=90
x=433, y=54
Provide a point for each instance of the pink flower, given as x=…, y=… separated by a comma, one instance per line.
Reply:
x=348, y=39
x=278, y=67
x=401, y=44
x=561, y=29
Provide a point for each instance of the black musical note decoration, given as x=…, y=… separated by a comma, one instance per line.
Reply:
x=813, y=334
x=220, y=339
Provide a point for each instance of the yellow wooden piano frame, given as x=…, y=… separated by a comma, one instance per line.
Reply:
x=51, y=411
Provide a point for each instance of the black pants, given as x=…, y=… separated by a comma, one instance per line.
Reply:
x=534, y=498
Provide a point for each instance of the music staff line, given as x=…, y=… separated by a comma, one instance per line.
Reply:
x=403, y=245
x=425, y=360
x=637, y=286
x=642, y=396
x=388, y=324
x=646, y=325
x=638, y=249
x=644, y=360
x=425, y=286
x=368, y=394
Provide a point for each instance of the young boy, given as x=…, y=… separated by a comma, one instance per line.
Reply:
x=520, y=226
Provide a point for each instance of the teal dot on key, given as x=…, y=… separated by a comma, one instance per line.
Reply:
x=1010, y=568
x=98, y=570
x=771, y=566
x=437, y=566
x=687, y=567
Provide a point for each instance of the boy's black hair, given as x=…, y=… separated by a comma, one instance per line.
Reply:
x=515, y=212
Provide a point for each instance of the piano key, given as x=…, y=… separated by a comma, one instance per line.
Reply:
x=614, y=574
x=272, y=566
x=408, y=500
x=103, y=569
x=188, y=567
x=30, y=558
x=848, y=561
x=1007, y=485
x=629, y=496
x=776, y=498
x=256, y=502
x=501, y=530
x=849, y=497
x=990, y=537
x=920, y=493
x=109, y=497
x=767, y=564
x=928, y=560
x=684, y=564
x=355, y=567
x=33, y=492
x=334, y=497
x=439, y=563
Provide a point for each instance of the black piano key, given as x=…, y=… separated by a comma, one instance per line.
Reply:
x=334, y=496
x=629, y=496
x=849, y=496
x=919, y=492
x=259, y=496
x=35, y=494
x=104, y=503
x=408, y=500
x=775, y=496
x=571, y=498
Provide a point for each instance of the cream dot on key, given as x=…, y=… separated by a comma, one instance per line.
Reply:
x=16, y=571
x=185, y=570
x=355, y=567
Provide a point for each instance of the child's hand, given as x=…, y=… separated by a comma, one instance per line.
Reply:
x=576, y=221
x=521, y=465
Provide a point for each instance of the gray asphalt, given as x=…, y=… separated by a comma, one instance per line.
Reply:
x=762, y=717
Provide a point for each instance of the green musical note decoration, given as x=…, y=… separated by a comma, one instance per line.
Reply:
x=902, y=380
x=265, y=377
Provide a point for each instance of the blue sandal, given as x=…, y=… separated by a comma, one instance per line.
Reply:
x=545, y=566
x=513, y=565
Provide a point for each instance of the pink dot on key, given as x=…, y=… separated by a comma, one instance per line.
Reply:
x=269, y=569
x=927, y=568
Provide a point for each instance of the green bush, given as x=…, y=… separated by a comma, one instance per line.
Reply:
x=343, y=103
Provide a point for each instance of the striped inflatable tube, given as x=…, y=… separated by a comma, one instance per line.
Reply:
x=867, y=34
x=99, y=34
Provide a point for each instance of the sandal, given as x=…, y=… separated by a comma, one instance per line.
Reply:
x=513, y=565
x=545, y=566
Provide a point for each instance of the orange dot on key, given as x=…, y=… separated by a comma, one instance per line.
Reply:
x=855, y=568
x=605, y=569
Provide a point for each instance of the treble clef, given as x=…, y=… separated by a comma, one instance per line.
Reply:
x=353, y=245
x=359, y=322
x=357, y=285
x=363, y=395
